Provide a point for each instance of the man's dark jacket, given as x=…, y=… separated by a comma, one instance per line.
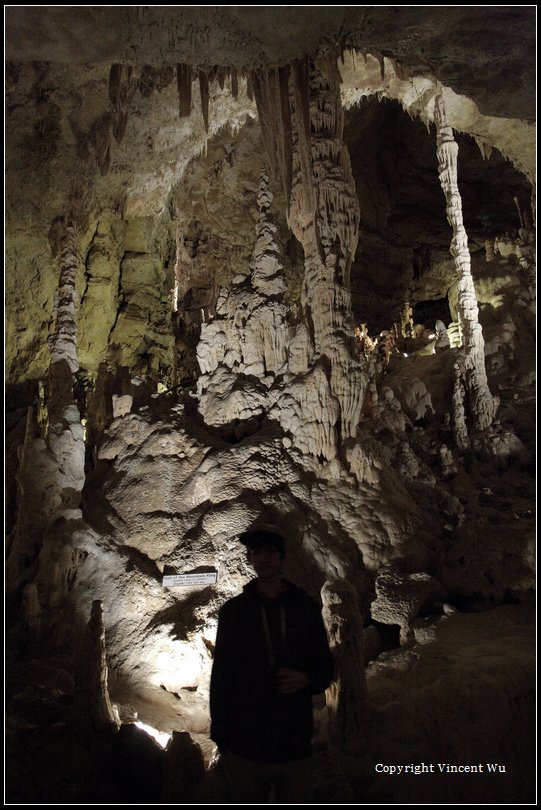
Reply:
x=249, y=716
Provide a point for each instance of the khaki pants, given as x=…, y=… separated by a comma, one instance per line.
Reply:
x=242, y=781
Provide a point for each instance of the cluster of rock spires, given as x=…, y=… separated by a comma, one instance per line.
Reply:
x=291, y=422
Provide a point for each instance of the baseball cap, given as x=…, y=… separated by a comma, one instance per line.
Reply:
x=255, y=539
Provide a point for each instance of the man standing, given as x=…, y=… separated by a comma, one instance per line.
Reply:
x=271, y=656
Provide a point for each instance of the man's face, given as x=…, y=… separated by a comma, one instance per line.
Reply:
x=266, y=561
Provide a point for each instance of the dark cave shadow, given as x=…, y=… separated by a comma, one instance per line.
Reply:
x=182, y=615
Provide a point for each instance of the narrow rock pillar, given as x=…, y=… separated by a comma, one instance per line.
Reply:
x=481, y=402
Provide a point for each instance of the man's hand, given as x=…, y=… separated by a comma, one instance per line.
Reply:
x=291, y=680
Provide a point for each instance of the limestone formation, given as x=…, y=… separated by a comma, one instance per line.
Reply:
x=244, y=349
x=328, y=231
x=51, y=471
x=346, y=696
x=460, y=430
x=93, y=701
x=442, y=338
x=399, y=597
x=391, y=415
x=65, y=437
x=481, y=401
x=448, y=466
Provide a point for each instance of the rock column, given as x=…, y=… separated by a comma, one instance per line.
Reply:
x=324, y=215
x=481, y=402
x=51, y=471
x=66, y=436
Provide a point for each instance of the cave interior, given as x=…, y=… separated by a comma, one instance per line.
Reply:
x=269, y=266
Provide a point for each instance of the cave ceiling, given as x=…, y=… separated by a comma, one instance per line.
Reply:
x=485, y=53
x=62, y=139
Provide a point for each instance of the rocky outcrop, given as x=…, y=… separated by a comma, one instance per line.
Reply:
x=399, y=597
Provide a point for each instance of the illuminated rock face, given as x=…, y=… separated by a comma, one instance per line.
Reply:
x=183, y=363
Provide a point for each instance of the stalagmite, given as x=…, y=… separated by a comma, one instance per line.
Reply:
x=460, y=429
x=51, y=473
x=94, y=705
x=346, y=696
x=293, y=420
x=448, y=466
x=184, y=87
x=480, y=399
x=66, y=439
x=249, y=337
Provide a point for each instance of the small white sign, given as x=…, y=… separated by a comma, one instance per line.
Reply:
x=202, y=578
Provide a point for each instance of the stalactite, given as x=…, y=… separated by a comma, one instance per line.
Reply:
x=286, y=138
x=381, y=59
x=265, y=110
x=115, y=82
x=121, y=90
x=484, y=147
x=234, y=82
x=279, y=97
x=301, y=98
x=104, y=152
x=480, y=399
x=221, y=75
x=184, y=87
x=402, y=72
x=204, y=90
x=249, y=87
x=271, y=91
x=119, y=128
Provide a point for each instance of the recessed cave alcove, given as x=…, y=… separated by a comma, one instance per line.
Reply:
x=270, y=267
